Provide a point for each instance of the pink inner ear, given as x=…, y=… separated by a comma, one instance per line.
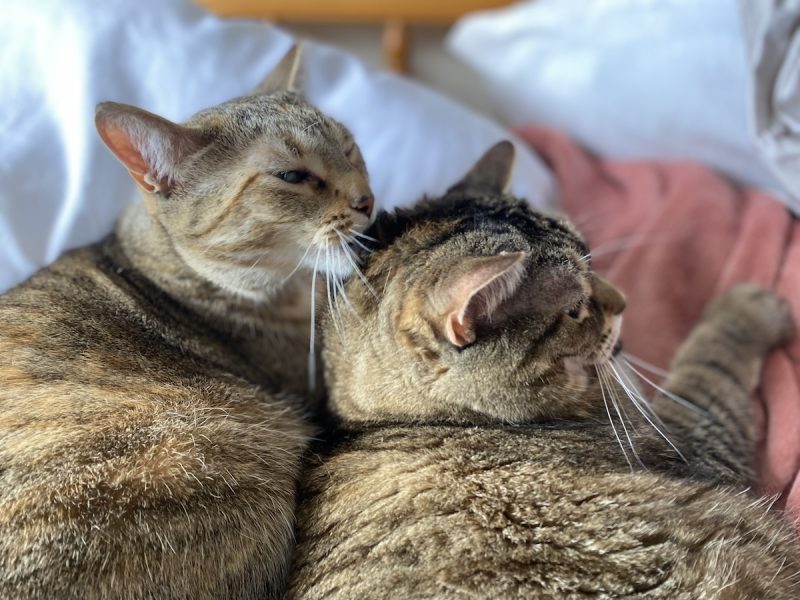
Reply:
x=120, y=144
x=479, y=291
x=457, y=333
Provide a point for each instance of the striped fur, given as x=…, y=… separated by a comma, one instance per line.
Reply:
x=495, y=470
x=151, y=423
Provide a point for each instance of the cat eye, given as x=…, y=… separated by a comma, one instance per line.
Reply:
x=293, y=176
x=575, y=311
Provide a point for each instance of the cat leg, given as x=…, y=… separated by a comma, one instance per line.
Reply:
x=717, y=369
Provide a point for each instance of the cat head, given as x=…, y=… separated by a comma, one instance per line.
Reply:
x=251, y=189
x=478, y=307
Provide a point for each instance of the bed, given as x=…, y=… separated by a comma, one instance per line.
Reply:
x=570, y=95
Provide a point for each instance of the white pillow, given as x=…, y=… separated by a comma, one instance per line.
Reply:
x=60, y=188
x=662, y=79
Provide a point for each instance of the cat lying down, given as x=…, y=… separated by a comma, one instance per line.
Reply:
x=491, y=443
x=702, y=233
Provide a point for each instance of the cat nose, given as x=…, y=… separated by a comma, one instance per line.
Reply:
x=615, y=304
x=610, y=298
x=619, y=305
x=363, y=204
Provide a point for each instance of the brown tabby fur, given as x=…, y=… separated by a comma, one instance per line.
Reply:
x=488, y=468
x=147, y=449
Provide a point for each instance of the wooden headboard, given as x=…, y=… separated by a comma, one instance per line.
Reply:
x=394, y=16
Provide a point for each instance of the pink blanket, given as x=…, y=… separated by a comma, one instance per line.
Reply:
x=673, y=236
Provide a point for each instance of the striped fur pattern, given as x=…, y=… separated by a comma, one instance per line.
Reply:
x=151, y=424
x=514, y=466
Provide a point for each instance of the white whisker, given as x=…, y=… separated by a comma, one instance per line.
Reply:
x=253, y=266
x=640, y=362
x=355, y=241
x=633, y=397
x=633, y=391
x=312, y=360
x=330, y=290
x=346, y=299
x=338, y=289
x=300, y=262
x=354, y=265
x=363, y=236
x=625, y=243
x=609, y=379
x=344, y=240
x=625, y=412
x=612, y=394
x=613, y=427
x=674, y=397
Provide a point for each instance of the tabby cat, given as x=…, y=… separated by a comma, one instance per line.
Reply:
x=150, y=431
x=485, y=452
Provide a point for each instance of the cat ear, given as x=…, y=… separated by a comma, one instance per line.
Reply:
x=149, y=146
x=476, y=290
x=492, y=173
x=286, y=76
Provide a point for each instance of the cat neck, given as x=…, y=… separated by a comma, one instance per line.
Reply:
x=271, y=331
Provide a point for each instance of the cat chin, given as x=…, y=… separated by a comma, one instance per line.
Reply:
x=610, y=347
x=332, y=261
x=576, y=371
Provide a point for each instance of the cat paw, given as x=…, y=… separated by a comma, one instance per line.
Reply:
x=762, y=315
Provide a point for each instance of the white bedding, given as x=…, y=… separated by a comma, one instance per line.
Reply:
x=772, y=38
x=661, y=79
x=60, y=188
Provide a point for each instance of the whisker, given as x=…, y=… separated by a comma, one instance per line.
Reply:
x=631, y=422
x=640, y=399
x=355, y=266
x=312, y=362
x=346, y=299
x=338, y=288
x=363, y=236
x=355, y=241
x=633, y=397
x=344, y=240
x=253, y=266
x=633, y=388
x=330, y=290
x=614, y=427
x=610, y=379
x=614, y=401
x=640, y=362
x=612, y=248
x=349, y=251
x=674, y=397
x=639, y=239
x=300, y=262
